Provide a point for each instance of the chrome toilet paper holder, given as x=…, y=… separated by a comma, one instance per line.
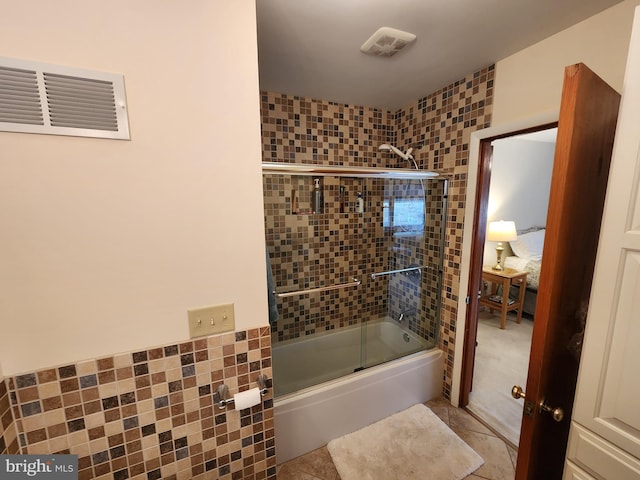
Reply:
x=221, y=395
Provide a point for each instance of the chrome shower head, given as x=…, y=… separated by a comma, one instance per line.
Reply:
x=385, y=147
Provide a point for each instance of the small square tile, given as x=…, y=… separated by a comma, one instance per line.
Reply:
x=75, y=425
x=87, y=381
x=67, y=371
x=28, y=394
x=106, y=376
x=106, y=363
x=96, y=432
x=111, y=415
x=28, y=380
x=170, y=350
x=57, y=430
x=46, y=376
x=124, y=373
x=32, y=408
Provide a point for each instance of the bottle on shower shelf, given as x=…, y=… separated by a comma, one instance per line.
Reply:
x=360, y=203
x=317, y=200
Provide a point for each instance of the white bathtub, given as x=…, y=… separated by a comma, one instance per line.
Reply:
x=311, y=417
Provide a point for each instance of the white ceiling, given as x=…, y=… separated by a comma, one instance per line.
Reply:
x=311, y=48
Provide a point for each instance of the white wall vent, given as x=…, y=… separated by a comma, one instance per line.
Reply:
x=38, y=97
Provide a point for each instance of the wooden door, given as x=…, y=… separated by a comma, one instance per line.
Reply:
x=586, y=129
x=605, y=430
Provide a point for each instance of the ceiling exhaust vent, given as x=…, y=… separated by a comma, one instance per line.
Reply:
x=37, y=97
x=387, y=41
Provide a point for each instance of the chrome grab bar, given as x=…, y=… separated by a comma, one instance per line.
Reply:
x=354, y=283
x=401, y=270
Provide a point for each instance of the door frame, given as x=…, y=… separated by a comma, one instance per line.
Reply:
x=465, y=343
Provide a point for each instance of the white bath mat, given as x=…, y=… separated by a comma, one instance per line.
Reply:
x=412, y=444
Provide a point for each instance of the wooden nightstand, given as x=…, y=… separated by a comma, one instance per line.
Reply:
x=506, y=278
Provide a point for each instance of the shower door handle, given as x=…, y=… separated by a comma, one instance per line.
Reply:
x=354, y=283
x=406, y=271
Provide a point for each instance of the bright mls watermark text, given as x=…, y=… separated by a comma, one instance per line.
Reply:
x=53, y=467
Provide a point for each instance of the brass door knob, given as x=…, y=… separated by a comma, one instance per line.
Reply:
x=556, y=413
x=517, y=392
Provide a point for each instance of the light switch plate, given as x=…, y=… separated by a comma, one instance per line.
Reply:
x=211, y=320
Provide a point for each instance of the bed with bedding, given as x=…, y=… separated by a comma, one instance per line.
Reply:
x=527, y=256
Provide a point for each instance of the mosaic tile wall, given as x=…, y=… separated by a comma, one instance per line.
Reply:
x=340, y=244
x=439, y=127
x=301, y=130
x=8, y=436
x=298, y=130
x=415, y=294
x=150, y=414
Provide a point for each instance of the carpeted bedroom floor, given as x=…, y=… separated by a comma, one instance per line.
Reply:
x=502, y=361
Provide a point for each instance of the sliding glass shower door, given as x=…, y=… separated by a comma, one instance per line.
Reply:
x=356, y=277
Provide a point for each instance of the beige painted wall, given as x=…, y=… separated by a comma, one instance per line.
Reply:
x=106, y=244
x=530, y=81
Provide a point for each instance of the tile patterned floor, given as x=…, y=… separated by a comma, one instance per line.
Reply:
x=499, y=457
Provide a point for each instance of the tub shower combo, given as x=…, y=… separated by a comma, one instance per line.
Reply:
x=356, y=256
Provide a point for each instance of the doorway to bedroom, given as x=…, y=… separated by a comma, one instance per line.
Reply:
x=518, y=194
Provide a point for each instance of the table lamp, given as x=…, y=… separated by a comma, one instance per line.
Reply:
x=501, y=231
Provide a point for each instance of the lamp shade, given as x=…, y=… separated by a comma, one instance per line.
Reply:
x=501, y=231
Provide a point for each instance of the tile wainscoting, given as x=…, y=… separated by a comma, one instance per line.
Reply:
x=8, y=435
x=149, y=414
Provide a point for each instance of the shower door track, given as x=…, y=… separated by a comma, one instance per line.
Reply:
x=281, y=168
